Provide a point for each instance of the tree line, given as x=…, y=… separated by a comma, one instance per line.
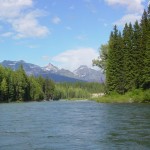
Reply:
x=17, y=86
x=77, y=90
x=125, y=59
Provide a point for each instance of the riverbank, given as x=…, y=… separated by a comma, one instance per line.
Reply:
x=136, y=96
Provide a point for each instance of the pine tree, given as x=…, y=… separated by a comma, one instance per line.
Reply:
x=22, y=85
x=115, y=70
x=128, y=63
x=4, y=90
x=36, y=92
x=128, y=57
x=9, y=77
x=110, y=68
x=49, y=89
x=137, y=60
x=146, y=70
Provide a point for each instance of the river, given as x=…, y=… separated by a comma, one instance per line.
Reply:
x=74, y=125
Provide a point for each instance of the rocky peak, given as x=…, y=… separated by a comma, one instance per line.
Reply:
x=50, y=67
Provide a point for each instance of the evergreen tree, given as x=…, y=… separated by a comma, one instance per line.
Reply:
x=115, y=71
x=36, y=92
x=17, y=86
x=21, y=85
x=137, y=59
x=129, y=78
x=4, y=90
x=110, y=72
x=146, y=70
x=49, y=89
x=10, y=84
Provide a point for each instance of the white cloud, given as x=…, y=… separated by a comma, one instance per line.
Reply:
x=134, y=10
x=56, y=20
x=72, y=59
x=12, y=8
x=133, y=6
x=28, y=26
x=127, y=19
x=23, y=20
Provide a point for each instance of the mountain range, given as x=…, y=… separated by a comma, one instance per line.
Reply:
x=83, y=73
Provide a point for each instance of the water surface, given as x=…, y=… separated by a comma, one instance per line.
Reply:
x=74, y=125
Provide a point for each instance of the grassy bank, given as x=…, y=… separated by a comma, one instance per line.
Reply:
x=136, y=96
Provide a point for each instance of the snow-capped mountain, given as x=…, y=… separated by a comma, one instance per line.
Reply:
x=83, y=73
x=51, y=67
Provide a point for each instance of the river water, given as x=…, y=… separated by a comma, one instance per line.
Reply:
x=74, y=125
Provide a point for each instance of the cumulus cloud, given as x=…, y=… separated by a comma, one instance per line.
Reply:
x=127, y=19
x=56, y=20
x=22, y=19
x=134, y=9
x=12, y=8
x=28, y=26
x=72, y=59
x=133, y=6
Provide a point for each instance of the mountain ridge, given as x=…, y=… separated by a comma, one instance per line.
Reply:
x=81, y=74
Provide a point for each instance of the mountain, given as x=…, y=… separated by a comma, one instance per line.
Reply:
x=53, y=69
x=82, y=74
x=67, y=73
x=29, y=68
x=50, y=68
x=88, y=74
x=49, y=71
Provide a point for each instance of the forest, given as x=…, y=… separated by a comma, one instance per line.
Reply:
x=125, y=59
x=17, y=86
x=78, y=90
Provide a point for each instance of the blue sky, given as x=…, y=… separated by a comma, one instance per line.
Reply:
x=66, y=33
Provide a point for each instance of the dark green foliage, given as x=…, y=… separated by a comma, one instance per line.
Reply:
x=115, y=70
x=17, y=86
x=146, y=70
x=128, y=58
x=138, y=56
x=49, y=89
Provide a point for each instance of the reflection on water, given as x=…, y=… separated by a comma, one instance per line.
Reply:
x=76, y=125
